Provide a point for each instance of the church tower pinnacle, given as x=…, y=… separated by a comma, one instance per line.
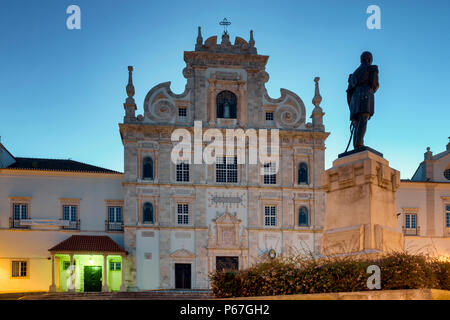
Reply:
x=129, y=105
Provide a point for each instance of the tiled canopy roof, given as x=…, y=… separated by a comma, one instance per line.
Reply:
x=56, y=165
x=88, y=244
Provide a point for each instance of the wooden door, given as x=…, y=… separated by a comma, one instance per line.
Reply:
x=182, y=276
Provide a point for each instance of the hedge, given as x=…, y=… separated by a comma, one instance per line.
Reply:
x=301, y=276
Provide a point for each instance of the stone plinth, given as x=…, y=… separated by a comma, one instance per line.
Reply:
x=360, y=214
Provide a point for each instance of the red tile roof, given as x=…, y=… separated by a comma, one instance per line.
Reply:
x=56, y=165
x=88, y=244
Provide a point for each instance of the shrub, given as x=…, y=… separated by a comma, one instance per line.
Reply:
x=308, y=275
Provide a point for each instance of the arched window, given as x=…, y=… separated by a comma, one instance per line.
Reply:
x=447, y=174
x=302, y=173
x=303, y=217
x=226, y=105
x=147, y=168
x=147, y=213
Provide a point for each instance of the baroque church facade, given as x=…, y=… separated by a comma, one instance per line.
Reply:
x=183, y=221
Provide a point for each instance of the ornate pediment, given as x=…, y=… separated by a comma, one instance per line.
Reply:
x=227, y=218
x=227, y=227
x=182, y=254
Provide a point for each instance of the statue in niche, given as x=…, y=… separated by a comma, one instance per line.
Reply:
x=226, y=105
x=226, y=110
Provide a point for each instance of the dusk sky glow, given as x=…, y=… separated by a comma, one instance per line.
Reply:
x=63, y=90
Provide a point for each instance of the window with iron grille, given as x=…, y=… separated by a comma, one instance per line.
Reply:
x=182, y=112
x=182, y=172
x=269, y=116
x=270, y=176
x=270, y=216
x=410, y=221
x=226, y=169
x=115, y=214
x=182, y=213
x=20, y=211
x=19, y=269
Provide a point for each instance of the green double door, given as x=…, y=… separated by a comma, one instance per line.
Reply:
x=92, y=279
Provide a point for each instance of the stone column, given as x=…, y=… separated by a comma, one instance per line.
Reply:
x=122, y=286
x=105, y=274
x=53, y=286
x=360, y=212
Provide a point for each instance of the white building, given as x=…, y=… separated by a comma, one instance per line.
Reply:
x=44, y=202
x=423, y=204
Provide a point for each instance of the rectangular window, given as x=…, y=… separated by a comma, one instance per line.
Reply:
x=447, y=217
x=270, y=216
x=269, y=116
x=182, y=172
x=66, y=265
x=19, y=269
x=410, y=221
x=182, y=112
x=115, y=266
x=226, y=169
x=182, y=213
x=115, y=214
x=114, y=219
x=270, y=176
x=70, y=213
x=20, y=211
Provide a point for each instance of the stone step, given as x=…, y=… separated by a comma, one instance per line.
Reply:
x=141, y=295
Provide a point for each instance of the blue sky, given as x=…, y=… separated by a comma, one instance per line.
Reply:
x=62, y=91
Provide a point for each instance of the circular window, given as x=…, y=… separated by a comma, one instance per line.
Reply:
x=447, y=174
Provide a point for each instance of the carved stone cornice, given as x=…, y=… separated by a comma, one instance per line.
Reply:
x=251, y=61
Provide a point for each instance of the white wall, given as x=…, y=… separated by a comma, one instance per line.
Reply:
x=413, y=195
x=45, y=191
x=147, y=270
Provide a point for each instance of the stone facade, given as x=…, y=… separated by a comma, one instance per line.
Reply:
x=225, y=219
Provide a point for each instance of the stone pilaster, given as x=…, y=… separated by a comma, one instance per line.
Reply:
x=130, y=259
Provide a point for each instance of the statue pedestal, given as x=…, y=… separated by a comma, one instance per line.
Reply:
x=360, y=214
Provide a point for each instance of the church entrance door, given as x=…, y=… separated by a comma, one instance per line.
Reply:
x=182, y=276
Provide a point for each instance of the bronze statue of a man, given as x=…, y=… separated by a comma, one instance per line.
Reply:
x=362, y=84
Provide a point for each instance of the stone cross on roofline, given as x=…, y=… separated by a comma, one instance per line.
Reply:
x=225, y=23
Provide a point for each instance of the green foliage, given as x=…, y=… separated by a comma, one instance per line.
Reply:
x=309, y=275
